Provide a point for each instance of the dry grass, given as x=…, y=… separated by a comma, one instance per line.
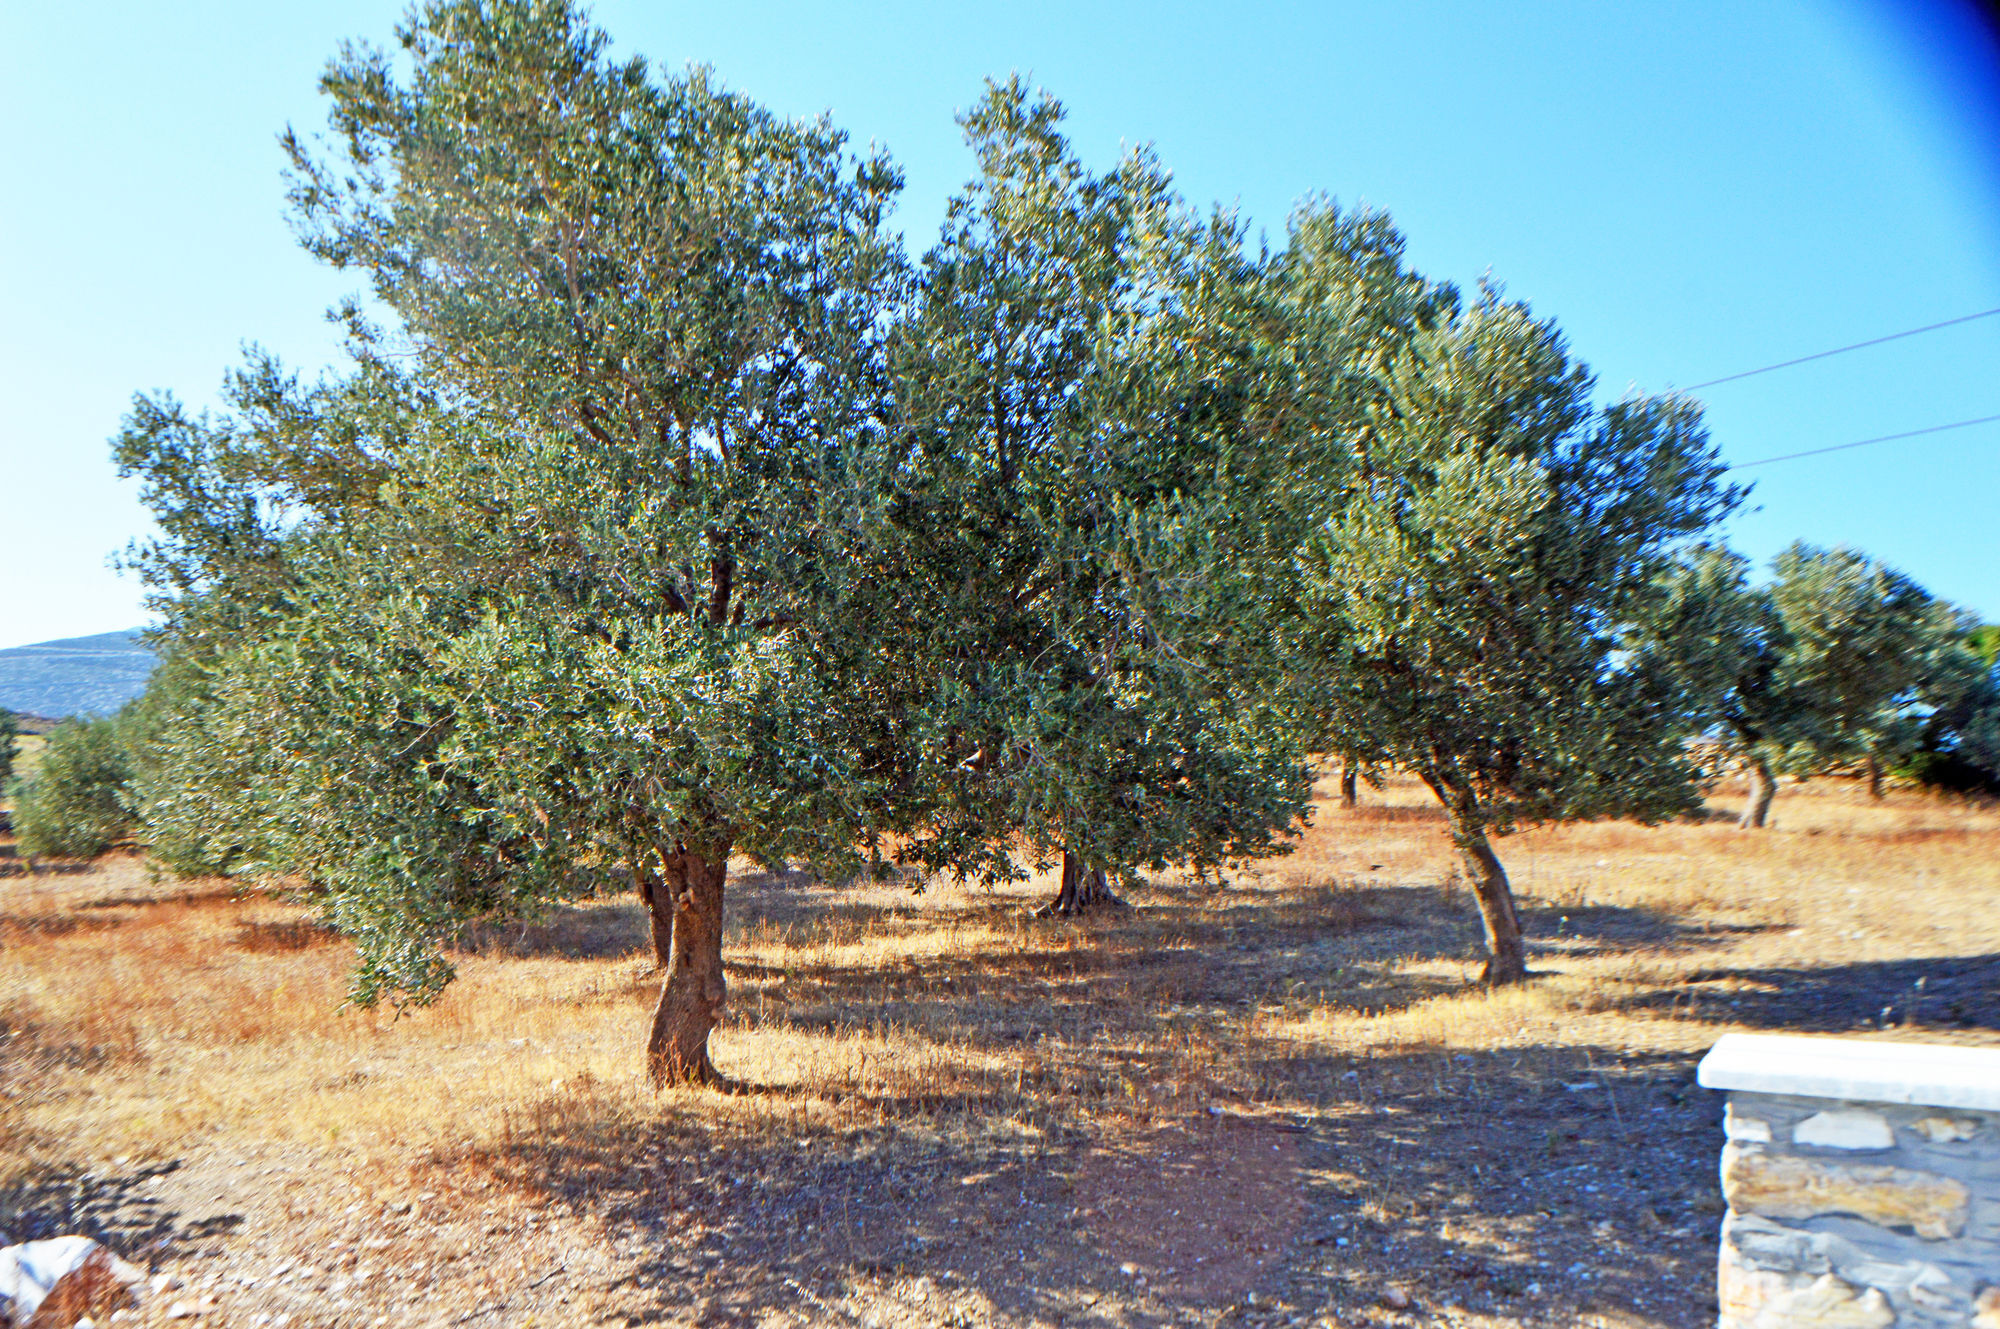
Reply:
x=1278, y=1098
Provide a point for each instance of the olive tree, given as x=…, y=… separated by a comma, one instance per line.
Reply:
x=1724, y=637
x=1869, y=654
x=1479, y=582
x=76, y=804
x=1062, y=395
x=566, y=574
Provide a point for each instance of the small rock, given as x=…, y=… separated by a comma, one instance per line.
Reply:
x=181, y=1310
x=1129, y=1269
x=1396, y=1299
x=1946, y=1130
x=1844, y=1128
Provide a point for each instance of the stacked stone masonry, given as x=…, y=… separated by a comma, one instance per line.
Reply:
x=1858, y=1204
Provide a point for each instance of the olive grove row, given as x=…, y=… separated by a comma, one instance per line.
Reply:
x=668, y=509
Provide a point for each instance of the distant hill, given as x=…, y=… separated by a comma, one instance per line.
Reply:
x=75, y=676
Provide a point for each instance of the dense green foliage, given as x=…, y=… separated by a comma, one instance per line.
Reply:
x=1958, y=745
x=1867, y=653
x=1838, y=660
x=1059, y=404
x=644, y=535
x=572, y=587
x=77, y=804
x=10, y=733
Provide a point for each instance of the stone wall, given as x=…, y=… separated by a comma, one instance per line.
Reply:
x=1863, y=1184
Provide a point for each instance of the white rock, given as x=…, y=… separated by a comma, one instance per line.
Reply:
x=1845, y=1128
x=1737, y=1126
x=75, y=1271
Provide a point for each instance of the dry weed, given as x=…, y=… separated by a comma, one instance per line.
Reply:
x=958, y=1111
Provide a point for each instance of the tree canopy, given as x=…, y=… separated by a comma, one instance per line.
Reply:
x=1060, y=403
x=566, y=574
x=631, y=540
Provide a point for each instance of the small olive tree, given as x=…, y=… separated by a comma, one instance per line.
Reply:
x=77, y=803
x=1725, y=639
x=1869, y=656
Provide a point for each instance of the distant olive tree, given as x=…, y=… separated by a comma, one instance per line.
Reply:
x=1725, y=639
x=1868, y=657
x=77, y=803
x=1958, y=744
x=1836, y=661
x=10, y=733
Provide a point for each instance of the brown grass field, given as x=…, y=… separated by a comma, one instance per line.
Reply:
x=1276, y=1100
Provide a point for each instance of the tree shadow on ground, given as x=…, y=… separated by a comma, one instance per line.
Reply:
x=1553, y=1183
x=1085, y=1154
x=1191, y=956
x=1599, y=929
x=1946, y=992
x=113, y=1205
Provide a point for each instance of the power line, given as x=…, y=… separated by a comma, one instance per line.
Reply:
x=1862, y=443
x=1842, y=350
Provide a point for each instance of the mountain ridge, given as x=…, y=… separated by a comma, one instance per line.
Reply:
x=92, y=675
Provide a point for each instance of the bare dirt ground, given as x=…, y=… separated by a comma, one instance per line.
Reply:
x=1274, y=1101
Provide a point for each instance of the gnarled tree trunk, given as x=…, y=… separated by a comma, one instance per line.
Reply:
x=1349, y=783
x=1506, y=952
x=1763, y=788
x=1083, y=887
x=687, y=902
x=1874, y=776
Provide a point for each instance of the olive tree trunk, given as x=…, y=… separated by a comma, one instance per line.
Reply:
x=1506, y=952
x=1349, y=783
x=1763, y=788
x=686, y=904
x=659, y=911
x=1083, y=888
x=1874, y=776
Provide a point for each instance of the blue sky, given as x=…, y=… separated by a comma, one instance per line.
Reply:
x=1692, y=189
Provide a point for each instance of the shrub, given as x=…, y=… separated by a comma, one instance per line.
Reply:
x=77, y=804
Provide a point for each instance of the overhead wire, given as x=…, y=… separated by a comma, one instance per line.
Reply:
x=1865, y=442
x=1842, y=350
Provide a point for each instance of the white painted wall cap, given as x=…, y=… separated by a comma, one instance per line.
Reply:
x=1922, y=1074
